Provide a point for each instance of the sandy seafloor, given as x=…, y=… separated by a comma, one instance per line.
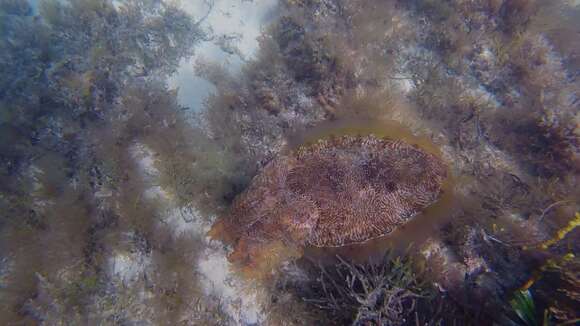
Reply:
x=244, y=20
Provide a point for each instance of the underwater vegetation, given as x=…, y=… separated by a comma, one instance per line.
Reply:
x=387, y=291
x=82, y=92
x=108, y=186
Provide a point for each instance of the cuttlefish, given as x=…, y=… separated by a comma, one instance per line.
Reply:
x=334, y=192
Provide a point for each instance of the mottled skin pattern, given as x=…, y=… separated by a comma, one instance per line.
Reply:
x=338, y=191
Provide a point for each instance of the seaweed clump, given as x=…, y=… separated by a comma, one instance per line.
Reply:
x=386, y=291
x=82, y=89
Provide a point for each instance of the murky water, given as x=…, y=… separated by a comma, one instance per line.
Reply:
x=128, y=127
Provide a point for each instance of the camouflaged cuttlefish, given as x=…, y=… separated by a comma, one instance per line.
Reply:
x=335, y=192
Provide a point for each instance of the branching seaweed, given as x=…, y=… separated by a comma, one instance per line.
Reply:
x=385, y=292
